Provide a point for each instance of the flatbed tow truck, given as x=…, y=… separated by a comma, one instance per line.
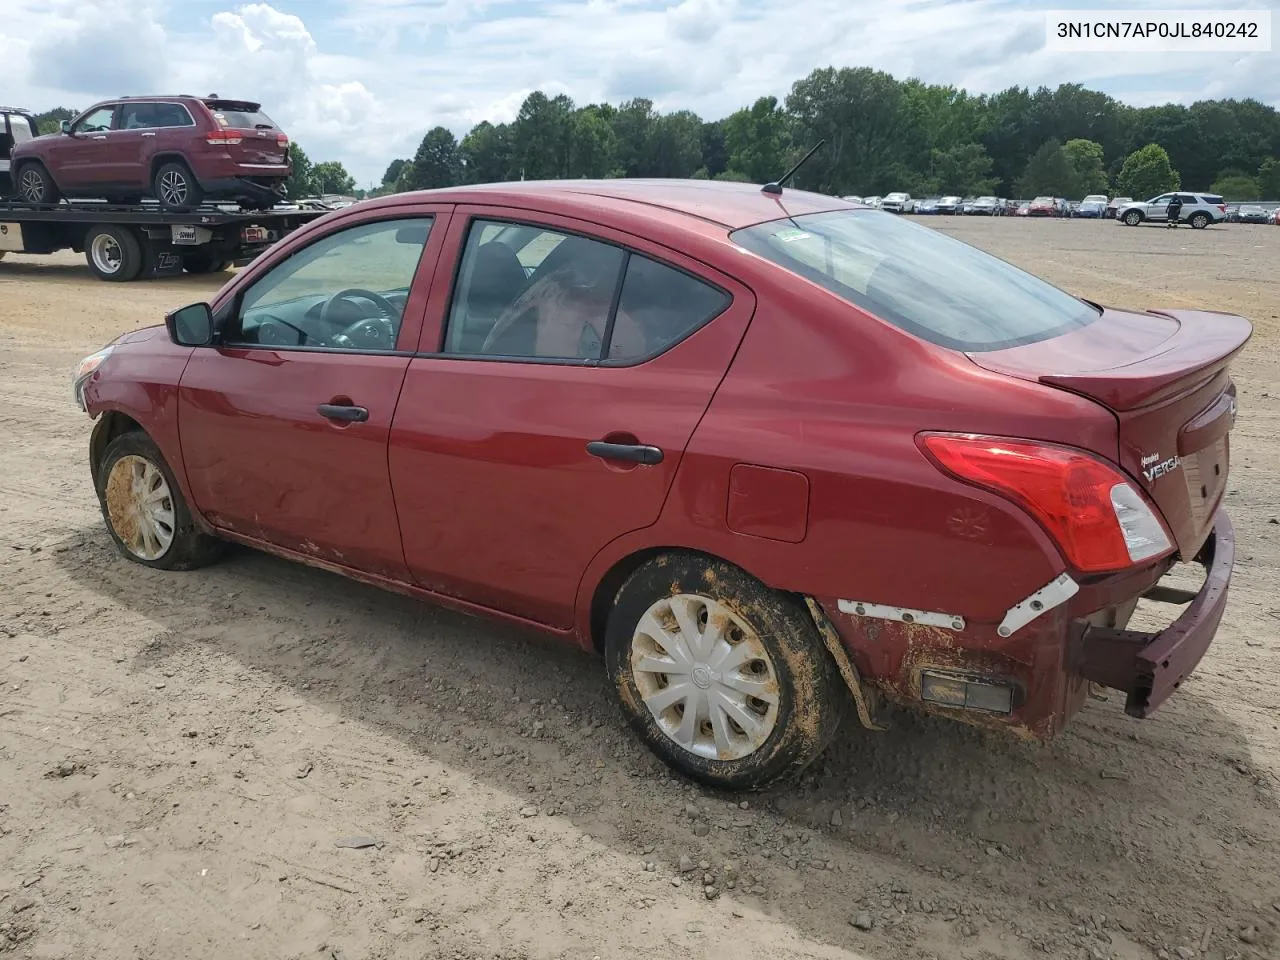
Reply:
x=141, y=241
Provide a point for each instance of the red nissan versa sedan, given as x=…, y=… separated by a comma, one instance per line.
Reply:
x=773, y=454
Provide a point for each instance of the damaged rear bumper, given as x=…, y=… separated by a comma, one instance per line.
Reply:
x=1148, y=667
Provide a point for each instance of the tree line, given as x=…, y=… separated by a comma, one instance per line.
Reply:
x=882, y=134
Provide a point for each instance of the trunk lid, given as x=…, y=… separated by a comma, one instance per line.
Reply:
x=1164, y=375
x=260, y=140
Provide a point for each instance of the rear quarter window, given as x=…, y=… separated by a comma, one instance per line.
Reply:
x=932, y=286
x=1211, y=198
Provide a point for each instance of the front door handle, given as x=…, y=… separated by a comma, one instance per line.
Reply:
x=101, y=136
x=344, y=412
x=628, y=452
x=148, y=134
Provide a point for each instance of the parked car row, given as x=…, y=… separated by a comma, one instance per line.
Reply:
x=180, y=150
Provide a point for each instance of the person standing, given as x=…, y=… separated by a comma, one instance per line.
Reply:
x=1175, y=210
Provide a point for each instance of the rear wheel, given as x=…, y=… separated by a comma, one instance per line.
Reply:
x=176, y=188
x=1199, y=221
x=34, y=185
x=145, y=512
x=1133, y=218
x=113, y=253
x=724, y=679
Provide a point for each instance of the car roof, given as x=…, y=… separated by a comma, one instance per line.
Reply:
x=726, y=204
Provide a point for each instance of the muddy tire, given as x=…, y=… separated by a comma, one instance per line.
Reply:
x=1199, y=221
x=144, y=509
x=688, y=632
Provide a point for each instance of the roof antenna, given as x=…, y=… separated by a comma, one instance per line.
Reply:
x=776, y=186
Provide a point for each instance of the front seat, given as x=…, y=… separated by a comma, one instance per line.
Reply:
x=497, y=279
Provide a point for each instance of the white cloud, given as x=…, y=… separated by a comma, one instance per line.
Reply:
x=362, y=80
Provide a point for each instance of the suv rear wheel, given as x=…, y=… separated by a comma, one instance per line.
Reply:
x=1199, y=221
x=113, y=253
x=34, y=185
x=176, y=187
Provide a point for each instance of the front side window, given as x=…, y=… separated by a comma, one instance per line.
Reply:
x=346, y=291
x=530, y=292
x=97, y=122
x=927, y=283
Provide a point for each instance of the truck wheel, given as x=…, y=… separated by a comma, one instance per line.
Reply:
x=727, y=681
x=1133, y=218
x=1199, y=221
x=34, y=184
x=176, y=188
x=145, y=512
x=203, y=263
x=113, y=253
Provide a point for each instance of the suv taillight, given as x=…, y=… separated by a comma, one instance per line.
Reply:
x=221, y=138
x=282, y=139
x=1100, y=520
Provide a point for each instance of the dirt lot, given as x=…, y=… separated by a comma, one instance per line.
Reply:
x=181, y=755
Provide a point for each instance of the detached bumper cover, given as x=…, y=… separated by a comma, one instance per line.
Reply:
x=1150, y=666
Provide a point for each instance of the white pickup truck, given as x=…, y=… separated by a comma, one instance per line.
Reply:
x=898, y=203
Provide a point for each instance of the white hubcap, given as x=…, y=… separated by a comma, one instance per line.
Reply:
x=705, y=676
x=106, y=253
x=140, y=507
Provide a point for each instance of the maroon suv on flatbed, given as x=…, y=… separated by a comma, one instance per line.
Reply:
x=772, y=454
x=180, y=150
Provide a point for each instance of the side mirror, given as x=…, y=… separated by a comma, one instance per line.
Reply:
x=65, y=126
x=191, y=326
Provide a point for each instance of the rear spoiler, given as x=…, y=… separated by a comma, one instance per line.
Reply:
x=1205, y=343
x=242, y=106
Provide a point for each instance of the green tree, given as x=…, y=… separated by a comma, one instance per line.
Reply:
x=51, y=120
x=540, y=137
x=592, y=144
x=1269, y=180
x=675, y=145
x=964, y=169
x=332, y=177
x=301, y=183
x=715, y=152
x=735, y=176
x=1048, y=173
x=394, y=170
x=485, y=153
x=757, y=140
x=1233, y=185
x=1147, y=172
x=633, y=129
x=437, y=163
x=1085, y=158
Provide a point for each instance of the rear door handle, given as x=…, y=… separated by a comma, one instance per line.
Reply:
x=148, y=134
x=628, y=452
x=343, y=412
x=101, y=136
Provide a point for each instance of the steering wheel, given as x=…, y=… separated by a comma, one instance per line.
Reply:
x=371, y=333
x=381, y=302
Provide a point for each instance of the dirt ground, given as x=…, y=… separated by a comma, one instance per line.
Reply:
x=182, y=757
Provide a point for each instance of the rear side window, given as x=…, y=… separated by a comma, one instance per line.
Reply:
x=659, y=306
x=240, y=116
x=1211, y=198
x=529, y=292
x=927, y=283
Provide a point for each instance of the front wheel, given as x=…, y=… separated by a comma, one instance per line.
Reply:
x=145, y=512
x=1133, y=218
x=176, y=187
x=727, y=681
x=1199, y=221
x=34, y=185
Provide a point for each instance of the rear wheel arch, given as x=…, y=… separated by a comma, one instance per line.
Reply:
x=160, y=159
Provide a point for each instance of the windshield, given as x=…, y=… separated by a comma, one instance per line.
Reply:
x=929, y=284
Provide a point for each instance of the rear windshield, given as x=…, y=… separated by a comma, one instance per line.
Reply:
x=240, y=116
x=922, y=281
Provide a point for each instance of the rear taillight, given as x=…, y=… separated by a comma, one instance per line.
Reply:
x=1097, y=517
x=282, y=139
x=222, y=138
x=1222, y=208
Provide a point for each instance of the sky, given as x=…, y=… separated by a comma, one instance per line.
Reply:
x=361, y=81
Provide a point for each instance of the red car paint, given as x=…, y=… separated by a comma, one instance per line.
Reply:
x=791, y=424
x=234, y=151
